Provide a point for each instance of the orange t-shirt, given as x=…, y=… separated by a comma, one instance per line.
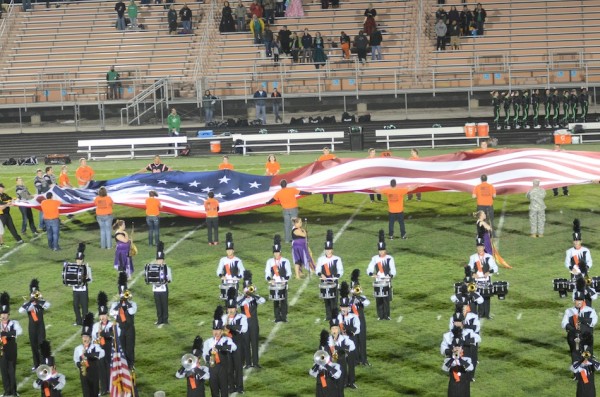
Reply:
x=84, y=174
x=485, y=194
x=152, y=206
x=325, y=157
x=287, y=197
x=63, y=180
x=50, y=208
x=211, y=206
x=103, y=205
x=273, y=168
x=225, y=166
x=395, y=196
x=480, y=150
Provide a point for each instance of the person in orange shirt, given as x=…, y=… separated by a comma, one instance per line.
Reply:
x=153, y=206
x=51, y=213
x=84, y=173
x=104, y=217
x=395, y=196
x=483, y=148
x=211, y=206
x=485, y=194
x=272, y=166
x=63, y=178
x=414, y=155
x=287, y=198
x=226, y=165
x=325, y=157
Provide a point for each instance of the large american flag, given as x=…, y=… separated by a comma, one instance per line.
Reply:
x=121, y=383
x=184, y=193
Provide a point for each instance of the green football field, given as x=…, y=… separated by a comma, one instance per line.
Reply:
x=523, y=350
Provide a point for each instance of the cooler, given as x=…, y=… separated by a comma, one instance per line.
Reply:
x=215, y=146
x=483, y=129
x=470, y=130
x=562, y=137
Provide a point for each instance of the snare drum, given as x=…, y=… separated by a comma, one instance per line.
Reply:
x=155, y=274
x=457, y=287
x=327, y=289
x=73, y=274
x=225, y=287
x=500, y=289
x=485, y=289
x=595, y=282
x=381, y=289
x=278, y=291
x=561, y=284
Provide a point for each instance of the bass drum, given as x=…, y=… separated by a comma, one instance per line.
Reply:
x=73, y=274
x=155, y=274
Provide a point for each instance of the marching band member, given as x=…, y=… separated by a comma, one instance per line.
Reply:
x=358, y=302
x=579, y=322
x=230, y=267
x=86, y=358
x=161, y=290
x=339, y=347
x=278, y=270
x=216, y=351
x=249, y=304
x=382, y=267
x=330, y=267
x=458, y=366
x=103, y=334
x=482, y=265
x=584, y=368
x=471, y=319
x=124, y=311
x=578, y=254
x=49, y=381
x=35, y=310
x=9, y=330
x=80, y=292
x=327, y=372
x=469, y=341
x=196, y=374
x=349, y=326
x=468, y=292
x=236, y=327
x=581, y=285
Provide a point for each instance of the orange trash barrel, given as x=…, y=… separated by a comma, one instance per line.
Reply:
x=470, y=129
x=215, y=146
x=483, y=129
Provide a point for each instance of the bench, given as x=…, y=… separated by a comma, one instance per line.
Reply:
x=319, y=139
x=93, y=147
x=449, y=136
x=589, y=133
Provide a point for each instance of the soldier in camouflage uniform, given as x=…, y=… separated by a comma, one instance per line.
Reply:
x=537, y=209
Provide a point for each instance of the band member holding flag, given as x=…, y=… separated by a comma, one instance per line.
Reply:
x=49, y=381
x=86, y=357
x=216, y=351
x=122, y=376
x=278, y=270
x=330, y=268
x=383, y=268
x=194, y=373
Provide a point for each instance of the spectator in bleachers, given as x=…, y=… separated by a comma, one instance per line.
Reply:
x=335, y=3
x=295, y=47
x=120, y=9
x=319, y=56
x=440, y=32
x=26, y=6
x=324, y=4
x=174, y=123
x=269, y=10
x=294, y=9
x=240, y=16
x=268, y=40
x=279, y=8
x=441, y=14
x=227, y=23
x=208, y=103
x=261, y=105
x=276, y=101
x=375, y=42
x=257, y=27
x=345, y=45
x=479, y=16
x=185, y=15
x=466, y=17
x=307, y=47
x=112, y=79
x=275, y=50
x=453, y=15
x=256, y=9
x=369, y=23
x=454, y=33
x=132, y=13
x=361, y=43
x=172, y=18
x=284, y=39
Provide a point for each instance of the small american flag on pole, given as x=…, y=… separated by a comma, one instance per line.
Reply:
x=121, y=384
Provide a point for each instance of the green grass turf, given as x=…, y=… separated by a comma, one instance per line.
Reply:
x=523, y=352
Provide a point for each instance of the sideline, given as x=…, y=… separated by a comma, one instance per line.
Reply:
x=263, y=348
x=67, y=342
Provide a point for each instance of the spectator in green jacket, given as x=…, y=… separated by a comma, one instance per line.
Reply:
x=174, y=123
x=112, y=79
x=132, y=12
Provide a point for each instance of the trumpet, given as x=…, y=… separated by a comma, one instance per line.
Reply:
x=357, y=290
x=586, y=355
x=321, y=357
x=251, y=289
x=189, y=361
x=127, y=295
x=471, y=287
x=36, y=296
x=43, y=372
x=588, y=280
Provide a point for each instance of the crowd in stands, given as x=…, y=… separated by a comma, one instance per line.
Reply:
x=450, y=26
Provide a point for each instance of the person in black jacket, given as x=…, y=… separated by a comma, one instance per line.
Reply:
x=185, y=15
x=479, y=16
x=120, y=9
x=172, y=18
x=466, y=16
x=516, y=105
x=556, y=108
x=5, y=203
x=496, y=103
x=506, y=101
x=584, y=103
x=361, y=43
x=547, y=101
x=375, y=42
